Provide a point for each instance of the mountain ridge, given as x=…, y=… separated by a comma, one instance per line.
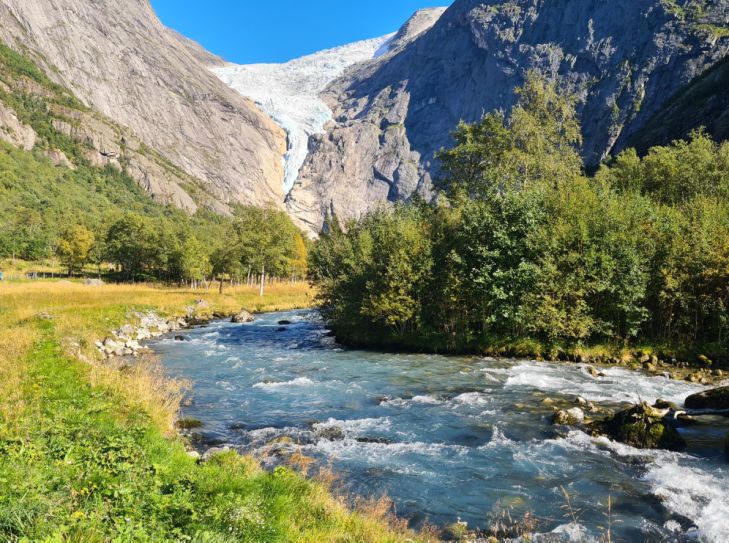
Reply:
x=118, y=58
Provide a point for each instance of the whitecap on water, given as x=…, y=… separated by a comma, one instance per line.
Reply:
x=618, y=385
x=498, y=439
x=693, y=493
x=298, y=382
x=683, y=488
x=472, y=398
x=424, y=399
x=226, y=385
x=356, y=426
x=375, y=453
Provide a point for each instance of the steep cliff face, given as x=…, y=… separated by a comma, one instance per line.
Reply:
x=191, y=135
x=702, y=104
x=624, y=60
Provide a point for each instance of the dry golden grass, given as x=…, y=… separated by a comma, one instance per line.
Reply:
x=82, y=314
x=15, y=343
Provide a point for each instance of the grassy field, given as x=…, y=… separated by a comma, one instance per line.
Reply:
x=88, y=454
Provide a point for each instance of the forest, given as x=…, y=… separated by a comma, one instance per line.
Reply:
x=523, y=252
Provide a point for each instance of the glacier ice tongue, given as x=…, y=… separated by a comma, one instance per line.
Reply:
x=289, y=92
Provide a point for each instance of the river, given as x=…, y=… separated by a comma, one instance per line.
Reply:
x=451, y=438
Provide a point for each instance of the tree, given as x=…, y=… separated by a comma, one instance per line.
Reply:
x=132, y=243
x=538, y=143
x=266, y=240
x=225, y=260
x=74, y=248
x=194, y=261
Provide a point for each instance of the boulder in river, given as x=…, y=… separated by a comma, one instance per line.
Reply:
x=716, y=398
x=641, y=426
x=332, y=433
x=285, y=322
x=242, y=317
x=570, y=417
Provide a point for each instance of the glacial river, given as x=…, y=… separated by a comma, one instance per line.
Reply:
x=451, y=438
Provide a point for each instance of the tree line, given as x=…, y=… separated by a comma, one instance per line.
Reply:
x=255, y=244
x=100, y=216
x=521, y=245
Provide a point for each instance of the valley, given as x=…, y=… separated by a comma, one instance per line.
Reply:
x=461, y=274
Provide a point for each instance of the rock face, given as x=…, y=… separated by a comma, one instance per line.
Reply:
x=14, y=132
x=623, y=59
x=118, y=58
x=703, y=104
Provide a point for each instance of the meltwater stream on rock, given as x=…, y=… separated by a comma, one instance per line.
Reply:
x=450, y=437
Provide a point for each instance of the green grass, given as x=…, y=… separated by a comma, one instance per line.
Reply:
x=82, y=459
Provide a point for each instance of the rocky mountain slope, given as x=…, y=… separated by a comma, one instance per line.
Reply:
x=702, y=104
x=152, y=103
x=623, y=59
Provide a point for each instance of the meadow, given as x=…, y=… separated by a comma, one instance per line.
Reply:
x=88, y=450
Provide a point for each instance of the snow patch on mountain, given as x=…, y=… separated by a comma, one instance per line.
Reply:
x=289, y=92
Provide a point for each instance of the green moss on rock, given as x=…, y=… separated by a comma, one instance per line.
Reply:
x=641, y=426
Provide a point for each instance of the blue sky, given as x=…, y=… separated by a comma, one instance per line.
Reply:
x=248, y=31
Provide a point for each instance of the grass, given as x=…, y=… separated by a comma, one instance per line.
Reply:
x=88, y=454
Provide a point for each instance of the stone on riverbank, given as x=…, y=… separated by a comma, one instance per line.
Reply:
x=641, y=426
x=214, y=451
x=125, y=340
x=716, y=398
x=242, y=317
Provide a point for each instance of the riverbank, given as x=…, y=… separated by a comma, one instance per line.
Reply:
x=89, y=452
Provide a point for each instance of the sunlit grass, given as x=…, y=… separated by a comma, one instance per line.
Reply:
x=83, y=314
x=84, y=453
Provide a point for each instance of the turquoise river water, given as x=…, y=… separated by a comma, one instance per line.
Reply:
x=450, y=438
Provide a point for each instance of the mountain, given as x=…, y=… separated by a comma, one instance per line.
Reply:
x=624, y=60
x=150, y=102
x=345, y=130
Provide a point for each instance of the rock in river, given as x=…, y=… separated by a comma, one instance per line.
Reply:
x=716, y=398
x=242, y=317
x=641, y=426
x=571, y=417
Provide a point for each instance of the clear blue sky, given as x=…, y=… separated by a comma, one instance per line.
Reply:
x=248, y=31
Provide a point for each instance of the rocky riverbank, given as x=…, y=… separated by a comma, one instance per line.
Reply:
x=125, y=341
x=646, y=426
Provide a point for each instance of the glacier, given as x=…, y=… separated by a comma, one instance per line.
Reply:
x=289, y=92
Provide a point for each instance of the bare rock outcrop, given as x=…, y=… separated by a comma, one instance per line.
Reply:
x=14, y=132
x=623, y=60
x=118, y=58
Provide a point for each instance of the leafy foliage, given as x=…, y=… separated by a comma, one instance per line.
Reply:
x=522, y=245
